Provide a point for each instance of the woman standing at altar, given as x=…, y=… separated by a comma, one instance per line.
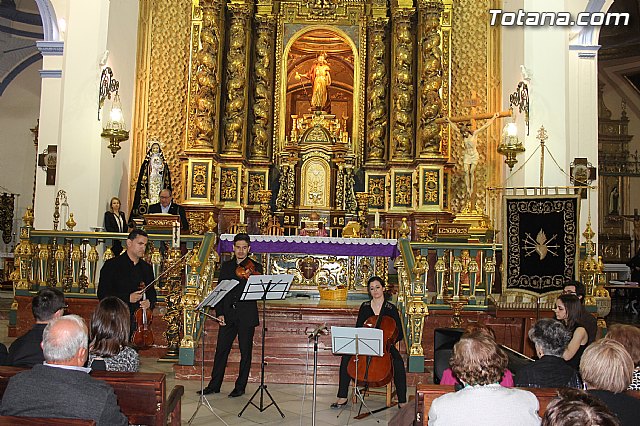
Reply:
x=378, y=305
x=115, y=221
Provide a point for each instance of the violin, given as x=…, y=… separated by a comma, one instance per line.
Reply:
x=375, y=371
x=245, y=269
x=143, y=336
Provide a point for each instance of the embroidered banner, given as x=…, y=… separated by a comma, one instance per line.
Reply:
x=541, y=238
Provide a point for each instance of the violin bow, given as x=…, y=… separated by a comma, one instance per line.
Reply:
x=166, y=271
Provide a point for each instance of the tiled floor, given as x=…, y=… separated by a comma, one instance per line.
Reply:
x=295, y=401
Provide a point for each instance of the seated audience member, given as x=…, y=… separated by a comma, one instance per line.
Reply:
x=479, y=364
x=607, y=369
x=3, y=354
x=588, y=321
x=629, y=337
x=573, y=407
x=568, y=311
x=61, y=387
x=550, y=338
x=26, y=351
x=448, y=378
x=109, y=335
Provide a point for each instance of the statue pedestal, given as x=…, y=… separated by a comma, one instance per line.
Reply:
x=476, y=219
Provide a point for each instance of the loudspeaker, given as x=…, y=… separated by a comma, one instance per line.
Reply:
x=443, y=341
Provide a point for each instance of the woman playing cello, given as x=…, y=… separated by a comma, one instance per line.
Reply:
x=376, y=306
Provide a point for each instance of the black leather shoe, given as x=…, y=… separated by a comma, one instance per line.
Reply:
x=235, y=393
x=207, y=391
x=336, y=405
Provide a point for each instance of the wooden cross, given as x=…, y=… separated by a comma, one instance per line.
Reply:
x=473, y=102
x=47, y=160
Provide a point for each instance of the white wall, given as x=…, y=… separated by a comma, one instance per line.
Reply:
x=19, y=110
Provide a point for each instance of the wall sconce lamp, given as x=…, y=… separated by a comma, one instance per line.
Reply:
x=115, y=128
x=510, y=146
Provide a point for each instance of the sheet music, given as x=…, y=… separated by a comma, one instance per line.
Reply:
x=218, y=293
x=277, y=286
x=370, y=340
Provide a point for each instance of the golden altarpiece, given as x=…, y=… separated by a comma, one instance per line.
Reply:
x=234, y=103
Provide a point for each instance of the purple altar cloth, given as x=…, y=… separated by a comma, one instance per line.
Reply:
x=378, y=247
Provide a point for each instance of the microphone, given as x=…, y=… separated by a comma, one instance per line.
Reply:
x=321, y=329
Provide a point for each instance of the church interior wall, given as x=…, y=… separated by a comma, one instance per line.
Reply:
x=20, y=104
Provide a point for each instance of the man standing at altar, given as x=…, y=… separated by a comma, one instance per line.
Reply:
x=236, y=318
x=167, y=206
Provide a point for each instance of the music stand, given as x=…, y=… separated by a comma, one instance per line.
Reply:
x=357, y=341
x=212, y=299
x=263, y=287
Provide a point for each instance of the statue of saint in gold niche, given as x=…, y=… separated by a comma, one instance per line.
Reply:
x=320, y=76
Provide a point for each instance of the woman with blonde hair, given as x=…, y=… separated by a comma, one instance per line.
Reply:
x=629, y=337
x=115, y=221
x=607, y=369
x=479, y=364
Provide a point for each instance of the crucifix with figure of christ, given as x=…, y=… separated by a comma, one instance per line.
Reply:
x=469, y=133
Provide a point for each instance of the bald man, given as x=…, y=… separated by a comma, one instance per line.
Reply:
x=62, y=387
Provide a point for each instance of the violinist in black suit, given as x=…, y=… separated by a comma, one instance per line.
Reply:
x=115, y=221
x=236, y=318
x=167, y=206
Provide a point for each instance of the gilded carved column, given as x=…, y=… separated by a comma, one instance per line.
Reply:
x=236, y=86
x=402, y=123
x=430, y=101
x=204, y=78
x=263, y=91
x=378, y=114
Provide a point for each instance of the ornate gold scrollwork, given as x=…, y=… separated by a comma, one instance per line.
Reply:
x=204, y=75
x=236, y=78
x=416, y=311
x=431, y=78
x=403, y=97
x=263, y=88
x=378, y=116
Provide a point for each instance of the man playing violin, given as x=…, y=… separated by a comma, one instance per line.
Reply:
x=121, y=276
x=378, y=305
x=236, y=318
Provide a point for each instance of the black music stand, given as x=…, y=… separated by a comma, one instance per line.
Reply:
x=263, y=287
x=357, y=341
x=216, y=295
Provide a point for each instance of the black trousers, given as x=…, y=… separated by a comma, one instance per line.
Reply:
x=399, y=376
x=226, y=336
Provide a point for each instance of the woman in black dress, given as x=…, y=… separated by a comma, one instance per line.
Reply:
x=115, y=221
x=378, y=305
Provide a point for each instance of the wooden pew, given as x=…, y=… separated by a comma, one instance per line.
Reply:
x=142, y=396
x=425, y=394
x=41, y=421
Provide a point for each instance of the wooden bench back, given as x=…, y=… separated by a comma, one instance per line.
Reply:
x=42, y=421
x=425, y=394
x=141, y=396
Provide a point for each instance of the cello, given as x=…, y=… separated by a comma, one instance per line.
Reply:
x=375, y=371
x=143, y=336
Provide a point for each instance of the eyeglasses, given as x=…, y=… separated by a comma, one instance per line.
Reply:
x=64, y=307
x=569, y=292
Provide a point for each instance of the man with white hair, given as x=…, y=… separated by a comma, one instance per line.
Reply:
x=62, y=387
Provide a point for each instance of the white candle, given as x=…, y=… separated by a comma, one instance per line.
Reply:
x=241, y=215
x=377, y=220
